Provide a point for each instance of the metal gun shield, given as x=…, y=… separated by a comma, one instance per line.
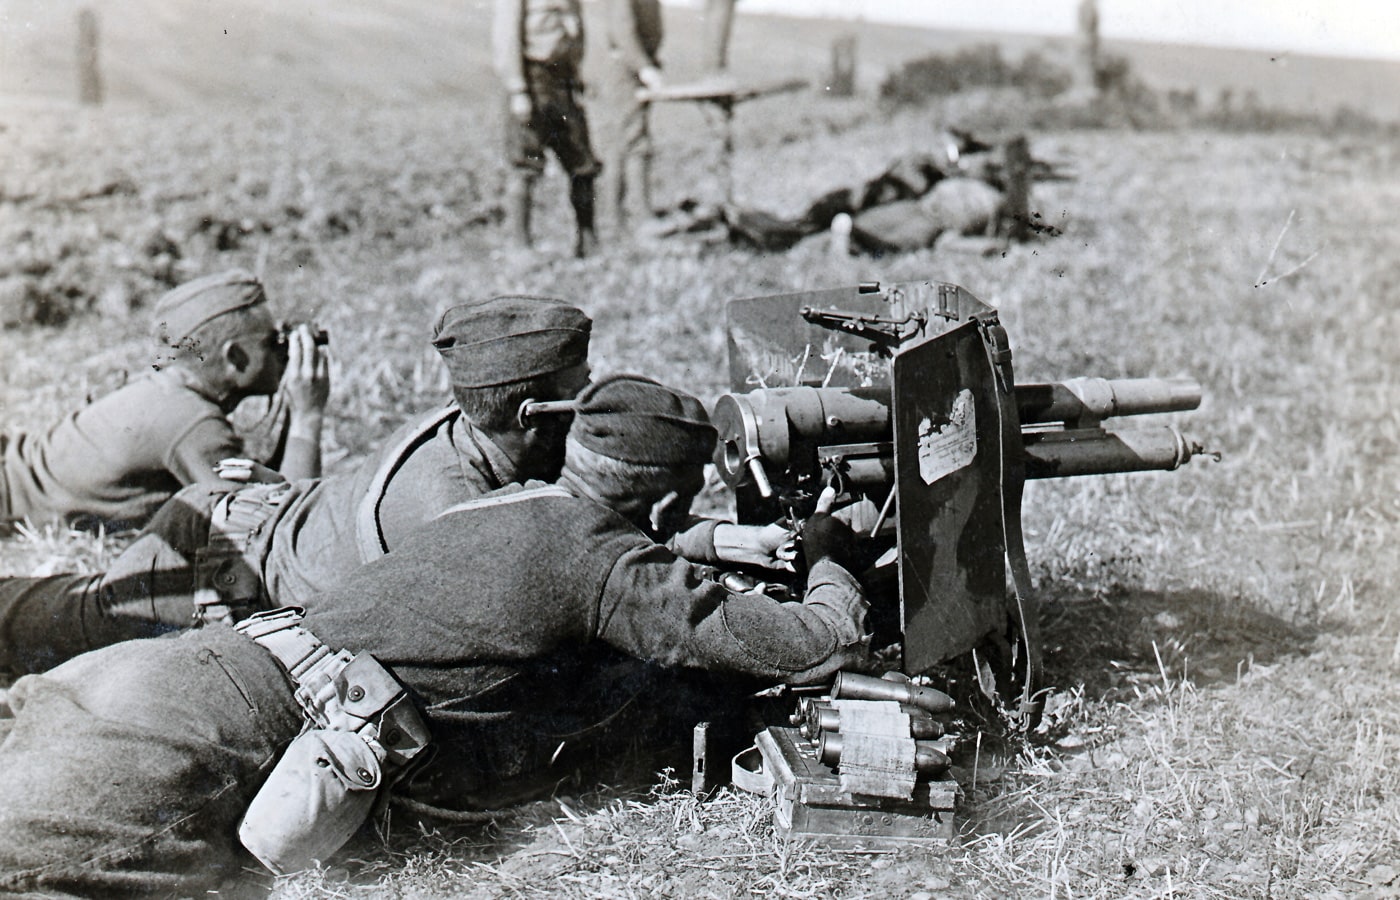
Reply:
x=948, y=471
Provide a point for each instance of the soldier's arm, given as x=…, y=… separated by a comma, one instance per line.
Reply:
x=307, y=386
x=194, y=456
x=655, y=606
x=622, y=33
x=508, y=44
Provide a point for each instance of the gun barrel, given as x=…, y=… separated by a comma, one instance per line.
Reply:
x=1096, y=399
x=1092, y=451
x=764, y=433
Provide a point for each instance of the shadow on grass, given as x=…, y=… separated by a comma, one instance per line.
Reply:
x=1111, y=643
x=627, y=758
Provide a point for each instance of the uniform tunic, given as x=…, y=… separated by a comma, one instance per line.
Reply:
x=307, y=542
x=100, y=788
x=537, y=47
x=119, y=458
x=634, y=33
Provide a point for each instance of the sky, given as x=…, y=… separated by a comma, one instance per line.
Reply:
x=1361, y=28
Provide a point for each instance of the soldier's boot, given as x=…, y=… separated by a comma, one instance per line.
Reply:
x=642, y=185
x=633, y=196
x=520, y=191
x=581, y=195
x=43, y=621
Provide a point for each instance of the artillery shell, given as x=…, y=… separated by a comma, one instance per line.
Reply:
x=927, y=757
x=853, y=686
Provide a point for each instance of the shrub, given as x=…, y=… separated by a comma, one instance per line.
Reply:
x=979, y=66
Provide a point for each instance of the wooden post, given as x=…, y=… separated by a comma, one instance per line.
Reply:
x=1015, y=215
x=719, y=22
x=702, y=779
x=89, y=75
x=843, y=67
x=1086, y=74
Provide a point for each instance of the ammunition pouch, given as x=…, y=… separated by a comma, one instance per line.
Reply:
x=362, y=732
x=228, y=568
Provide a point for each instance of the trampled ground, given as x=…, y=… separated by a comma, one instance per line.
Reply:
x=1223, y=638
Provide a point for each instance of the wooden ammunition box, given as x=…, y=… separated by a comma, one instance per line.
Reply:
x=810, y=805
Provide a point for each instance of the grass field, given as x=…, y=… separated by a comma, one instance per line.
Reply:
x=1223, y=639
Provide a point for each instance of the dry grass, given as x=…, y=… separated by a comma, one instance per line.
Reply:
x=1223, y=638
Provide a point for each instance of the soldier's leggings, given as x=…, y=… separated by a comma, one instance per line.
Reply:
x=44, y=621
x=154, y=587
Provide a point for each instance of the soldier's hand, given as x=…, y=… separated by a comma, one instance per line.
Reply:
x=766, y=546
x=651, y=77
x=826, y=537
x=246, y=471
x=307, y=381
x=520, y=105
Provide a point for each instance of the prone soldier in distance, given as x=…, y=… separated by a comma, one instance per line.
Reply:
x=144, y=765
x=114, y=462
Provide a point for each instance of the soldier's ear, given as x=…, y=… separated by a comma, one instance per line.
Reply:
x=236, y=355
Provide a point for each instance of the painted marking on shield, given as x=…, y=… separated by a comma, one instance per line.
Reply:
x=943, y=449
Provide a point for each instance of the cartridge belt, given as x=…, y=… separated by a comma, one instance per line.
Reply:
x=228, y=568
x=339, y=690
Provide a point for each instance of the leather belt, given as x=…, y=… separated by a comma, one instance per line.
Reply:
x=300, y=653
x=340, y=690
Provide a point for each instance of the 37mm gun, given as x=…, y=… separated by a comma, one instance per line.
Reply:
x=903, y=398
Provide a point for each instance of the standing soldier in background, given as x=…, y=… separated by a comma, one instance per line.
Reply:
x=538, y=47
x=115, y=461
x=634, y=32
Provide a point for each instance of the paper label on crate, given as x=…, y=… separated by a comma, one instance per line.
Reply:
x=878, y=766
x=943, y=449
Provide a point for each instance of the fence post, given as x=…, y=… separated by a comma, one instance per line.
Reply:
x=1016, y=205
x=719, y=22
x=89, y=74
x=1086, y=73
x=842, y=82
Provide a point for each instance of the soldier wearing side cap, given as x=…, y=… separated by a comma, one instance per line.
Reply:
x=114, y=462
x=215, y=553
x=132, y=766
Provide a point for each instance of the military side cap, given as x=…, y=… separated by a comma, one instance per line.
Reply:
x=637, y=420
x=180, y=311
x=510, y=338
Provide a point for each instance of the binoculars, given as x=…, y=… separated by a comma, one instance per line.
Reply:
x=319, y=336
